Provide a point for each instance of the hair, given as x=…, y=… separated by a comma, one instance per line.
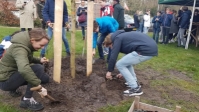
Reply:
x=160, y=12
x=38, y=34
x=196, y=10
x=95, y=25
x=107, y=40
x=185, y=8
x=174, y=11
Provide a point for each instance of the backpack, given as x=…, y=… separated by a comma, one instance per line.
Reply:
x=82, y=18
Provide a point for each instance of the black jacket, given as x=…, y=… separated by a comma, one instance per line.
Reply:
x=185, y=19
x=127, y=42
x=136, y=21
x=118, y=14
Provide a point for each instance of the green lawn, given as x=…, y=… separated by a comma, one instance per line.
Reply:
x=170, y=58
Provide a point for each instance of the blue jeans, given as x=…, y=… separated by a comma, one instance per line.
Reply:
x=99, y=45
x=141, y=27
x=50, y=34
x=125, y=66
x=156, y=34
x=146, y=29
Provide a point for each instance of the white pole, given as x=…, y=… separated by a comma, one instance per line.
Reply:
x=190, y=26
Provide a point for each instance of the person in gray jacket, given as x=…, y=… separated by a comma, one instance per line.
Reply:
x=174, y=27
x=118, y=13
x=138, y=48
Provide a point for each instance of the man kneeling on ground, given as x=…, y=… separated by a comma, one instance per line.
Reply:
x=138, y=48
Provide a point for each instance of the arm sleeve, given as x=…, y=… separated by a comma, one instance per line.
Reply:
x=21, y=58
x=65, y=13
x=115, y=13
x=36, y=60
x=146, y=18
x=95, y=36
x=19, y=4
x=35, y=10
x=153, y=21
x=39, y=11
x=114, y=54
x=45, y=12
x=78, y=12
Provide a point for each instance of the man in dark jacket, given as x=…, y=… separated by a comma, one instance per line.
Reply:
x=48, y=15
x=183, y=25
x=157, y=20
x=136, y=20
x=40, y=7
x=138, y=47
x=118, y=13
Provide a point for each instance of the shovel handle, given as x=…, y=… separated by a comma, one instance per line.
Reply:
x=50, y=97
x=36, y=88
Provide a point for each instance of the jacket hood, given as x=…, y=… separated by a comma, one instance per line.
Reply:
x=22, y=38
x=115, y=34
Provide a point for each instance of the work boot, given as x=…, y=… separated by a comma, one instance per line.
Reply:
x=31, y=104
x=15, y=93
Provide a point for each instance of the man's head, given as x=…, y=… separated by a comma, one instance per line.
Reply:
x=95, y=26
x=159, y=13
x=168, y=11
x=116, y=1
x=82, y=2
x=102, y=3
x=184, y=8
x=107, y=41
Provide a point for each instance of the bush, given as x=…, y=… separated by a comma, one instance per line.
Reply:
x=37, y=23
x=7, y=18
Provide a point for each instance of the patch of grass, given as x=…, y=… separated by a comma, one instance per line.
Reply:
x=8, y=108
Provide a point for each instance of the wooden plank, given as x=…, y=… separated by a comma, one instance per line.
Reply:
x=132, y=107
x=89, y=37
x=57, y=31
x=73, y=32
x=137, y=100
x=148, y=107
x=177, y=109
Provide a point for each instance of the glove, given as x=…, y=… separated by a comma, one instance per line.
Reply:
x=43, y=92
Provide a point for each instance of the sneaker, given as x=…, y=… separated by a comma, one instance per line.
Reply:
x=15, y=93
x=105, y=53
x=133, y=92
x=31, y=104
x=68, y=53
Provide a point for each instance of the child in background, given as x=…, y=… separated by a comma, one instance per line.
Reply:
x=157, y=20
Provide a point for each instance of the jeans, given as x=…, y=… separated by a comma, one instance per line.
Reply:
x=165, y=33
x=146, y=29
x=24, y=29
x=156, y=34
x=99, y=45
x=50, y=34
x=125, y=66
x=181, y=37
x=83, y=31
x=141, y=27
x=16, y=80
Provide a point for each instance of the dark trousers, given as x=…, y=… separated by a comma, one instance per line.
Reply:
x=43, y=24
x=165, y=35
x=24, y=29
x=156, y=32
x=16, y=80
x=171, y=36
x=99, y=45
x=83, y=31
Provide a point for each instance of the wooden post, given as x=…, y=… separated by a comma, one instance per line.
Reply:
x=177, y=109
x=73, y=32
x=137, y=100
x=90, y=15
x=57, y=31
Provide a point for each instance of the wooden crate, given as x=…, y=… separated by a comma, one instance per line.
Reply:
x=139, y=105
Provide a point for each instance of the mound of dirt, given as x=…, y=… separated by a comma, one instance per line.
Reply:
x=83, y=94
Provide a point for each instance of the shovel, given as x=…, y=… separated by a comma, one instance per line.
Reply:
x=38, y=89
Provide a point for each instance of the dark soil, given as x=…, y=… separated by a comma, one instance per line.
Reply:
x=88, y=94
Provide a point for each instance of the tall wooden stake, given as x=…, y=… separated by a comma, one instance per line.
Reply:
x=73, y=31
x=89, y=37
x=57, y=31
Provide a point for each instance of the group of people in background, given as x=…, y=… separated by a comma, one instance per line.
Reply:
x=173, y=25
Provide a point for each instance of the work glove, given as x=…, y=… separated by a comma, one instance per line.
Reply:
x=43, y=92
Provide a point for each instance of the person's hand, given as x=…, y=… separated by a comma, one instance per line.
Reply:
x=94, y=52
x=109, y=76
x=50, y=25
x=119, y=76
x=44, y=60
x=67, y=25
x=43, y=92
